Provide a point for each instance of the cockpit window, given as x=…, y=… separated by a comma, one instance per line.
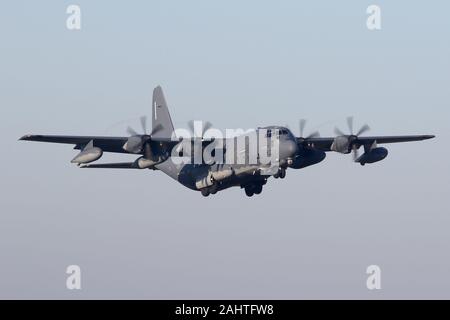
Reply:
x=281, y=132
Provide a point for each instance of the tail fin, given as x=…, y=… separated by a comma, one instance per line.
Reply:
x=160, y=116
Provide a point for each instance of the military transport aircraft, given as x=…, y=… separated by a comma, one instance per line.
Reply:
x=156, y=150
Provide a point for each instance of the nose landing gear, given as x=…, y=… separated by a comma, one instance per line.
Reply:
x=280, y=174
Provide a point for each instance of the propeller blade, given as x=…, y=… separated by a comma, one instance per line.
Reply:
x=131, y=131
x=338, y=132
x=148, y=154
x=315, y=134
x=350, y=124
x=144, y=124
x=191, y=126
x=301, y=126
x=156, y=129
x=207, y=125
x=363, y=129
x=355, y=152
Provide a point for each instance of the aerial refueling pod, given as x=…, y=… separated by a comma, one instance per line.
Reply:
x=372, y=155
x=88, y=154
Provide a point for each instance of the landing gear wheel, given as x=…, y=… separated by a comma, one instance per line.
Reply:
x=362, y=163
x=249, y=191
x=205, y=192
x=213, y=189
x=258, y=189
x=282, y=173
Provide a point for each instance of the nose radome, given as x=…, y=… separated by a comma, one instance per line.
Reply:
x=290, y=148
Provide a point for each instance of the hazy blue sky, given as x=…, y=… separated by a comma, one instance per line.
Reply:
x=139, y=234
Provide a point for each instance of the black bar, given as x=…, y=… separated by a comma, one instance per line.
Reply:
x=224, y=309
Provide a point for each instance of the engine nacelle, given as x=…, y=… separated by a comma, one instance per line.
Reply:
x=143, y=163
x=341, y=144
x=88, y=155
x=374, y=155
x=307, y=157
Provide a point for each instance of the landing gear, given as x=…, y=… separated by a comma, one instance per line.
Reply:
x=280, y=174
x=252, y=189
x=213, y=189
x=258, y=189
x=210, y=190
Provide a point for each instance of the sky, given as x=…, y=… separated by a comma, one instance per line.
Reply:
x=139, y=234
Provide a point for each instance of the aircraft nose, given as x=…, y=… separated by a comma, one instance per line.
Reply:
x=290, y=148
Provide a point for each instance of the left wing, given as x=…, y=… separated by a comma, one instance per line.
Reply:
x=117, y=165
x=324, y=144
x=108, y=144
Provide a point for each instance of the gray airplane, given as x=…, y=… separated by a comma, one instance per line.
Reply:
x=157, y=150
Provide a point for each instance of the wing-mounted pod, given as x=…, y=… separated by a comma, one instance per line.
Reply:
x=88, y=154
x=372, y=154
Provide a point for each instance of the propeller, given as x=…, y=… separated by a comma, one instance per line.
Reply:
x=363, y=129
x=302, y=125
x=346, y=143
x=199, y=132
x=137, y=143
x=143, y=121
x=301, y=138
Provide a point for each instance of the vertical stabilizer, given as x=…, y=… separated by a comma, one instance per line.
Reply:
x=160, y=116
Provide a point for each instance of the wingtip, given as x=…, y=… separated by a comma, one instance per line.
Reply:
x=25, y=137
x=430, y=136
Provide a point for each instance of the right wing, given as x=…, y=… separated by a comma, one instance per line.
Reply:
x=324, y=144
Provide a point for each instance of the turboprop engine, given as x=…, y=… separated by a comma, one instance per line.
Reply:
x=88, y=154
x=143, y=163
x=346, y=143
